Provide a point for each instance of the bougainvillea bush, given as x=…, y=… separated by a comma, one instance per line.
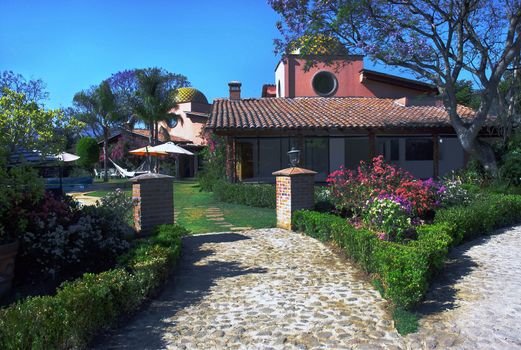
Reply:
x=388, y=199
x=351, y=190
x=62, y=240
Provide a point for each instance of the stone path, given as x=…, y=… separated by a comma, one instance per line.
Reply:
x=476, y=302
x=83, y=198
x=260, y=289
x=216, y=215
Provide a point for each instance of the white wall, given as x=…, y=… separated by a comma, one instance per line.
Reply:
x=279, y=76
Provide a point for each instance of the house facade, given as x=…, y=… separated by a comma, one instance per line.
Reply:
x=192, y=113
x=336, y=114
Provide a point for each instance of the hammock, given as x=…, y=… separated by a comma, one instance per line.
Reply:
x=126, y=173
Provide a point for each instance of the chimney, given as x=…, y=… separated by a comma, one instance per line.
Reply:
x=235, y=90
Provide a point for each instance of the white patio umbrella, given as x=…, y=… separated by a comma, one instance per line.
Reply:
x=172, y=148
x=64, y=157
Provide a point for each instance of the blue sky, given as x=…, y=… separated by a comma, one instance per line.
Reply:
x=73, y=44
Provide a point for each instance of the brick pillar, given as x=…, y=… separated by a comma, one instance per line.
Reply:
x=295, y=191
x=153, y=197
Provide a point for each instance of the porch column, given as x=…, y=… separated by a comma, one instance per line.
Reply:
x=436, y=155
x=230, y=159
x=372, y=145
x=295, y=190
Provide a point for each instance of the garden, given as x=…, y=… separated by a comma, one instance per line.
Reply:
x=399, y=229
x=67, y=271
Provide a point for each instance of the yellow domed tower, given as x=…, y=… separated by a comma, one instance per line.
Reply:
x=190, y=94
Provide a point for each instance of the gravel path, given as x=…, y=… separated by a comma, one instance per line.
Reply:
x=476, y=302
x=260, y=289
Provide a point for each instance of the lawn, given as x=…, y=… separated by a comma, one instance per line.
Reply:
x=192, y=204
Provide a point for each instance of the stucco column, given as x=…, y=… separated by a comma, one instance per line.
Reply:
x=436, y=155
x=153, y=198
x=295, y=190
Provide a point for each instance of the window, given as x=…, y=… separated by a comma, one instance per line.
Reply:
x=395, y=149
x=172, y=123
x=317, y=156
x=324, y=83
x=278, y=90
x=269, y=156
x=418, y=149
x=389, y=148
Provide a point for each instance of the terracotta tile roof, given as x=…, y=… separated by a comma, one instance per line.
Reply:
x=162, y=136
x=325, y=112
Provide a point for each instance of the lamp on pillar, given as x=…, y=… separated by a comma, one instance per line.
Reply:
x=294, y=157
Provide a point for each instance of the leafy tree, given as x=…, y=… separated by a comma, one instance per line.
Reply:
x=24, y=124
x=34, y=90
x=437, y=40
x=155, y=97
x=466, y=95
x=88, y=150
x=97, y=107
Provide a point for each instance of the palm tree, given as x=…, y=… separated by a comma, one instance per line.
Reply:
x=155, y=98
x=97, y=107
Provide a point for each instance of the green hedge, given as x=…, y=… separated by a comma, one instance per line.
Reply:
x=487, y=213
x=404, y=270
x=262, y=196
x=93, y=302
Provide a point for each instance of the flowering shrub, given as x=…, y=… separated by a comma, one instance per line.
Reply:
x=62, y=240
x=350, y=190
x=390, y=214
x=214, y=163
x=454, y=193
x=20, y=189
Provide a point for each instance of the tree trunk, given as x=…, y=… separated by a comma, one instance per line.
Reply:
x=105, y=155
x=480, y=150
x=150, y=143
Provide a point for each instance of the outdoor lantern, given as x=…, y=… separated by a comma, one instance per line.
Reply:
x=294, y=157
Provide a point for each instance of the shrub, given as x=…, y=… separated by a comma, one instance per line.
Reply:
x=403, y=269
x=20, y=189
x=63, y=241
x=511, y=169
x=88, y=150
x=351, y=190
x=482, y=216
x=93, y=302
x=214, y=163
x=389, y=214
x=454, y=192
x=248, y=194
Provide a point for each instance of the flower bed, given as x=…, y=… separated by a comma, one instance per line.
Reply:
x=93, y=302
x=405, y=269
x=400, y=229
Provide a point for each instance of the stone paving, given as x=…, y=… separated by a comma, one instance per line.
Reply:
x=476, y=301
x=275, y=289
x=260, y=289
x=83, y=198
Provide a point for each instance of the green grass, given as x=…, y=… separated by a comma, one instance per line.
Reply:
x=192, y=204
x=405, y=322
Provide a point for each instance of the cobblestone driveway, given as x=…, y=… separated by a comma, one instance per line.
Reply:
x=476, y=302
x=260, y=289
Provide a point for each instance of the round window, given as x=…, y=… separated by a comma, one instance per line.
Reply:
x=324, y=83
x=172, y=123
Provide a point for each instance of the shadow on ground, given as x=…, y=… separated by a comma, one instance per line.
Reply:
x=442, y=294
x=187, y=286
